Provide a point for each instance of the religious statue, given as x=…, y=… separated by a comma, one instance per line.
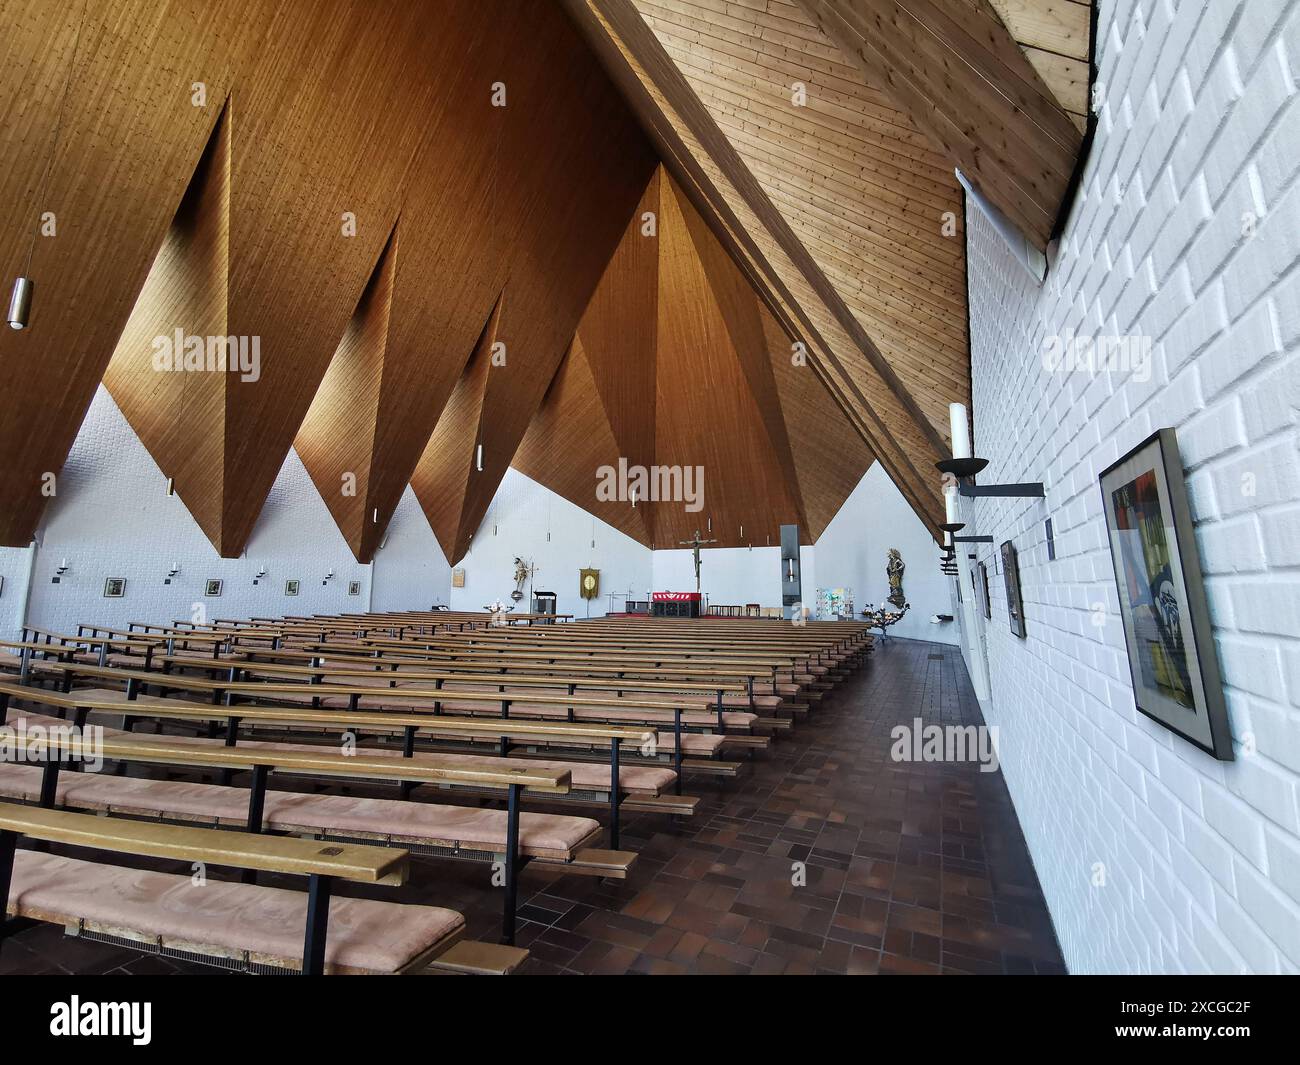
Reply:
x=894, y=571
x=521, y=575
x=695, y=545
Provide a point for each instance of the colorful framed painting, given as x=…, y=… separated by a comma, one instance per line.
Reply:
x=1162, y=602
x=1011, y=575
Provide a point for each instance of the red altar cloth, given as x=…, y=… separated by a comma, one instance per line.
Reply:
x=676, y=597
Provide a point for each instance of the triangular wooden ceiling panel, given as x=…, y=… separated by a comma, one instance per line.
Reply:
x=337, y=439
x=124, y=159
x=619, y=331
x=731, y=394
x=450, y=457
x=707, y=414
x=830, y=458
x=573, y=166
x=178, y=413
x=570, y=438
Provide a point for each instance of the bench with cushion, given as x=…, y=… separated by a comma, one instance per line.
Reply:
x=243, y=926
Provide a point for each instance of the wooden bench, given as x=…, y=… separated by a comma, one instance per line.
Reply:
x=450, y=831
x=167, y=912
x=81, y=702
x=687, y=732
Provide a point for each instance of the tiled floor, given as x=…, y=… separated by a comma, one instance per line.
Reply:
x=906, y=867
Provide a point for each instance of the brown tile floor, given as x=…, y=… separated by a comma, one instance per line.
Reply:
x=910, y=867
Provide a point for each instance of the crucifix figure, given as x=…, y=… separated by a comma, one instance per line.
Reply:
x=695, y=545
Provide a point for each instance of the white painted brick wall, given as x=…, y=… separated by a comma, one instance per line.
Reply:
x=517, y=523
x=111, y=517
x=1186, y=230
x=854, y=547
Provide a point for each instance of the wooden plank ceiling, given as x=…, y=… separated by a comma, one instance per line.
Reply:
x=956, y=69
x=438, y=285
x=706, y=381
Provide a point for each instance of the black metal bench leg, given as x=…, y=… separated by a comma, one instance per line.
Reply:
x=256, y=809
x=512, y=867
x=8, y=844
x=614, y=793
x=318, y=916
x=677, y=747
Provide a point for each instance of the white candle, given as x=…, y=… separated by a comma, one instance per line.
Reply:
x=950, y=505
x=960, y=430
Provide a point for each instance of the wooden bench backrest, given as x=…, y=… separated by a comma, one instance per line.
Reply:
x=275, y=854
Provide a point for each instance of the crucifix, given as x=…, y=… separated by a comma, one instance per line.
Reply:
x=695, y=545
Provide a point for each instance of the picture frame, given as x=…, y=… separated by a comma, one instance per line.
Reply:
x=982, y=587
x=458, y=577
x=354, y=587
x=212, y=588
x=291, y=587
x=1011, y=575
x=114, y=587
x=1162, y=603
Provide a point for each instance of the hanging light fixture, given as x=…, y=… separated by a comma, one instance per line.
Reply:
x=20, y=299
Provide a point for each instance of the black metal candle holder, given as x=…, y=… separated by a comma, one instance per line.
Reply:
x=965, y=469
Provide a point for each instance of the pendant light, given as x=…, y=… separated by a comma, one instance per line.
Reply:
x=20, y=299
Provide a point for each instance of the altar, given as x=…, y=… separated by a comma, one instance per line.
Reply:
x=676, y=604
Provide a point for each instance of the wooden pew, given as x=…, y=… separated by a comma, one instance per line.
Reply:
x=689, y=727
x=340, y=935
x=394, y=675
x=561, y=842
x=82, y=701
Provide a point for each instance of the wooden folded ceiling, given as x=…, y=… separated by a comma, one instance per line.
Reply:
x=332, y=178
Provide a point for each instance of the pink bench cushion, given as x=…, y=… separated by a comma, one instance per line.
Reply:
x=394, y=820
x=590, y=776
x=364, y=936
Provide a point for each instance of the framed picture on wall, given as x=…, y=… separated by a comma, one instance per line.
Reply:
x=354, y=587
x=212, y=588
x=114, y=587
x=1011, y=575
x=458, y=578
x=1162, y=602
x=983, y=586
x=290, y=587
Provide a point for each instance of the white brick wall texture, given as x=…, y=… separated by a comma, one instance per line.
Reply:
x=111, y=517
x=1155, y=857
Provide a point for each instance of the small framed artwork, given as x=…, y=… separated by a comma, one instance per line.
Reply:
x=114, y=587
x=290, y=587
x=212, y=588
x=1011, y=574
x=458, y=578
x=980, y=578
x=1162, y=603
x=354, y=587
